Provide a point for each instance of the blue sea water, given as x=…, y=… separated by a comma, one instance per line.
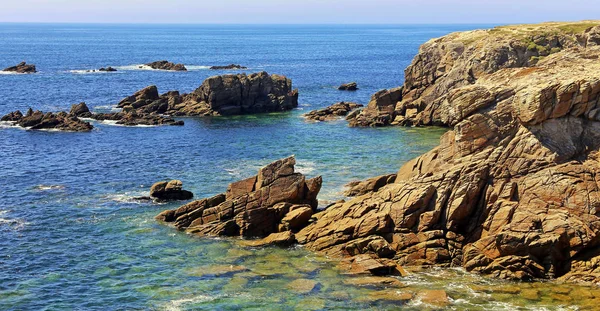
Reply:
x=71, y=238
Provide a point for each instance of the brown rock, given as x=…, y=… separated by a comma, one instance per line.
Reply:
x=80, y=110
x=352, y=86
x=252, y=210
x=38, y=120
x=228, y=67
x=169, y=191
x=332, y=112
x=297, y=218
x=358, y=188
x=22, y=68
x=166, y=65
x=280, y=239
x=437, y=298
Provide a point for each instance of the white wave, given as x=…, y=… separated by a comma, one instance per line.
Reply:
x=89, y=71
x=114, y=123
x=193, y=67
x=135, y=67
x=11, y=73
x=128, y=197
x=49, y=187
x=305, y=167
x=108, y=107
x=17, y=224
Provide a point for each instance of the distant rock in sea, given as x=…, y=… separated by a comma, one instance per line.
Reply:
x=228, y=67
x=166, y=65
x=352, y=86
x=164, y=191
x=332, y=112
x=219, y=96
x=22, y=68
x=38, y=120
x=107, y=69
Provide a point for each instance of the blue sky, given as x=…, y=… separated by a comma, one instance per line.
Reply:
x=298, y=11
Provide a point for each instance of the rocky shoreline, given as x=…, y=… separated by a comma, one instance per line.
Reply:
x=510, y=191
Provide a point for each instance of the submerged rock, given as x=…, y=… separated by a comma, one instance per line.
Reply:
x=166, y=65
x=163, y=191
x=511, y=191
x=255, y=207
x=332, y=112
x=38, y=120
x=219, y=95
x=352, y=86
x=22, y=68
x=228, y=67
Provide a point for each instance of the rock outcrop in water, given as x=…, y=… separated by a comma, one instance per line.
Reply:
x=165, y=191
x=166, y=65
x=332, y=112
x=352, y=86
x=219, y=95
x=512, y=190
x=107, y=69
x=38, y=120
x=277, y=200
x=126, y=117
x=228, y=67
x=22, y=68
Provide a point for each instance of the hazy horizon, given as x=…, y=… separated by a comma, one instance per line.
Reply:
x=294, y=12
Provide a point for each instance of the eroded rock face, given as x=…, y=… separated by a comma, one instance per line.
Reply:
x=22, y=68
x=512, y=190
x=166, y=65
x=460, y=59
x=277, y=200
x=164, y=191
x=220, y=95
x=332, y=112
x=38, y=120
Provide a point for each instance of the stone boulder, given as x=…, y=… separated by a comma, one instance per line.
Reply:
x=22, y=68
x=164, y=191
x=166, y=65
x=379, y=111
x=352, y=86
x=38, y=120
x=332, y=112
x=276, y=200
x=80, y=110
x=228, y=67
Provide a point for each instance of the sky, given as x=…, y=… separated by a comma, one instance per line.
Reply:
x=298, y=11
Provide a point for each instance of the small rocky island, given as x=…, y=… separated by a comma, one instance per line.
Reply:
x=22, y=67
x=166, y=65
x=228, y=67
x=38, y=120
x=164, y=191
x=352, y=86
x=219, y=96
x=332, y=112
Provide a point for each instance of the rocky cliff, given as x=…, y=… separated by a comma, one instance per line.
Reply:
x=461, y=59
x=512, y=190
x=220, y=95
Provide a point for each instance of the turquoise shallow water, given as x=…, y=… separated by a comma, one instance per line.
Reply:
x=72, y=239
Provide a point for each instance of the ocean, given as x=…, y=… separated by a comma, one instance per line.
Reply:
x=73, y=238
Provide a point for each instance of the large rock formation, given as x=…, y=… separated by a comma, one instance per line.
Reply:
x=166, y=65
x=126, y=117
x=460, y=59
x=274, y=201
x=38, y=120
x=332, y=112
x=220, y=95
x=22, y=68
x=513, y=190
